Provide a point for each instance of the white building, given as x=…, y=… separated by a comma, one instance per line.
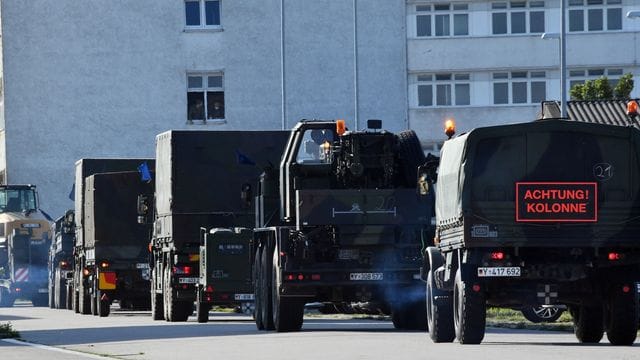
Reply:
x=101, y=78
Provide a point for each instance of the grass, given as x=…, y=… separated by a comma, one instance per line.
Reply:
x=7, y=331
x=513, y=319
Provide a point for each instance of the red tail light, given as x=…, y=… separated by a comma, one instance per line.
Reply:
x=626, y=288
x=315, y=277
x=182, y=270
x=104, y=264
x=290, y=277
x=613, y=256
x=497, y=255
x=209, y=289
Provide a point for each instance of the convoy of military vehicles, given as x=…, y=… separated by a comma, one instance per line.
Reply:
x=541, y=217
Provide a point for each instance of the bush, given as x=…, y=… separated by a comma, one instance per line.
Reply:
x=7, y=331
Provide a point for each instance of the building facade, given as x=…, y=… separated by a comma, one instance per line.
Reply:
x=102, y=79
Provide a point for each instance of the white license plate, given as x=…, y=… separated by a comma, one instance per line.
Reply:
x=188, y=280
x=142, y=266
x=502, y=271
x=243, y=297
x=365, y=276
x=43, y=291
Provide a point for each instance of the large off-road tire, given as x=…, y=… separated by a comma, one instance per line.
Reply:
x=411, y=155
x=94, y=298
x=6, y=298
x=257, y=293
x=202, y=311
x=84, y=299
x=104, y=306
x=542, y=314
x=176, y=311
x=288, y=313
x=410, y=315
x=398, y=317
x=51, y=297
x=588, y=323
x=69, y=297
x=60, y=292
x=157, y=305
x=439, y=312
x=40, y=300
x=469, y=311
x=76, y=302
x=621, y=316
x=266, y=289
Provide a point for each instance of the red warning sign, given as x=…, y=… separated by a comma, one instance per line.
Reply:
x=556, y=202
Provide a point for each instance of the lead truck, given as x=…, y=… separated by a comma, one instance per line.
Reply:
x=541, y=213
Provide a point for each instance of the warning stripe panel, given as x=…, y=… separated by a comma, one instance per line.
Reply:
x=22, y=274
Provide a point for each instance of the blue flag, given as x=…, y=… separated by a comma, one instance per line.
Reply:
x=72, y=193
x=243, y=159
x=145, y=173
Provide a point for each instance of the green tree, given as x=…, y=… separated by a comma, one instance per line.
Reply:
x=600, y=89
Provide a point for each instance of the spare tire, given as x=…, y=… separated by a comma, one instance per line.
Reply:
x=411, y=156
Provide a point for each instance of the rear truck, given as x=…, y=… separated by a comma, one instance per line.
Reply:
x=541, y=213
x=60, y=260
x=203, y=185
x=341, y=221
x=25, y=237
x=82, y=283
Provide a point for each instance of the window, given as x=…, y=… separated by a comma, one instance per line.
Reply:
x=205, y=89
x=595, y=15
x=519, y=87
x=444, y=89
x=517, y=17
x=442, y=20
x=202, y=13
x=579, y=76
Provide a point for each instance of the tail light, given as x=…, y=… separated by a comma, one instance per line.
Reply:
x=86, y=271
x=104, y=264
x=182, y=270
x=64, y=264
x=613, y=256
x=497, y=255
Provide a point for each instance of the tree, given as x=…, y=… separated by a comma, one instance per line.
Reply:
x=600, y=89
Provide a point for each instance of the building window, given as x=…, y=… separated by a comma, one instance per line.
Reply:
x=442, y=20
x=517, y=17
x=444, y=89
x=595, y=15
x=204, y=89
x=202, y=13
x=579, y=76
x=519, y=87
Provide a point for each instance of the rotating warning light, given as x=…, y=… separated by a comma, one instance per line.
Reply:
x=449, y=128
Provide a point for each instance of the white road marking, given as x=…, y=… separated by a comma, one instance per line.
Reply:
x=52, y=348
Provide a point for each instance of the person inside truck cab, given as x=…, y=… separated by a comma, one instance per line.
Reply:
x=315, y=147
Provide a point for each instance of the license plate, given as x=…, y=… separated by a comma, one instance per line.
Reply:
x=243, y=297
x=142, y=266
x=43, y=291
x=499, y=271
x=365, y=276
x=187, y=280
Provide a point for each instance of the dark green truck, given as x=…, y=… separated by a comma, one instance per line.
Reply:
x=541, y=213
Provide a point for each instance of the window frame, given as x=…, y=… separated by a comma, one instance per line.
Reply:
x=437, y=81
x=431, y=12
x=514, y=78
x=205, y=89
x=509, y=10
x=613, y=75
x=203, y=15
x=586, y=9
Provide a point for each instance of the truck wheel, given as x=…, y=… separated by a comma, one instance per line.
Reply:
x=622, y=316
x=176, y=310
x=398, y=317
x=40, y=300
x=588, y=324
x=157, y=311
x=104, y=306
x=6, y=299
x=288, y=313
x=84, y=299
x=469, y=312
x=266, y=288
x=94, y=299
x=202, y=311
x=411, y=155
x=60, y=293
x=257, y=294
x=69, y=297
x=410, y=315
x=51, y=297
x=76, y=302
x=439, y=313
x=542, y=314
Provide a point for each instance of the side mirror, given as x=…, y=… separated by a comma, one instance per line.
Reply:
x=246, y=194
x=143, y=208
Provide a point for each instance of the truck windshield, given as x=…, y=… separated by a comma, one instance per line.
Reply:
x=315, y=147
x=17, y=200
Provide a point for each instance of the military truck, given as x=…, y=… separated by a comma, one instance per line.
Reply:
x=115, y=249
x=25, y=236
x=341, y=221
x=81, y=299
x=203, y=182
x=541, y=213
x=61, y=260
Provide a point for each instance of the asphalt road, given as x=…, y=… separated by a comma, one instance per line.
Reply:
x=133, y=335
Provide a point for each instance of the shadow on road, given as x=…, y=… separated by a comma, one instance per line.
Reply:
x=13, y=317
